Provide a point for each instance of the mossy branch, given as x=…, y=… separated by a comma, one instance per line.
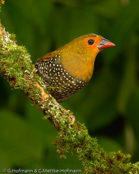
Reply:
x=16, y=66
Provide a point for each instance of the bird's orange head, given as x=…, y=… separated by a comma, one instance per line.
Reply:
x=78, y=56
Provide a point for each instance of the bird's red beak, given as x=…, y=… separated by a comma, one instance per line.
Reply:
x=105, y=44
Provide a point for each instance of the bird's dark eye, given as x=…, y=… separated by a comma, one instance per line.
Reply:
x=91, y=41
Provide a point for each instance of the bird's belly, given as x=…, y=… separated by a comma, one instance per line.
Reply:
x=61, y=95
x=66, y=90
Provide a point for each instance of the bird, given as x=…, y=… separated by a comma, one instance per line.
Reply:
x=70, y=67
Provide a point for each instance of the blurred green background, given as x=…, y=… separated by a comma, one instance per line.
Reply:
x=108, y=105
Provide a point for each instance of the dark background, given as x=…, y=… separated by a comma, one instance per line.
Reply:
x=108, y=105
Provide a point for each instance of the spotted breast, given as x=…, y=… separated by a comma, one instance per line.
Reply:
x=54, y=74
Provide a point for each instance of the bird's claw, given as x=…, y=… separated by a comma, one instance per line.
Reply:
x=33, y=72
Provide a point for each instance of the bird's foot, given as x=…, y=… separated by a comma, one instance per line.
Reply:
x=33, y=72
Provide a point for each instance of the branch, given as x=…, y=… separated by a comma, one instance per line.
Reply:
x=16, y=66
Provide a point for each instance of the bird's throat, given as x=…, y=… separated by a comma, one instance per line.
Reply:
x=82, y=68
